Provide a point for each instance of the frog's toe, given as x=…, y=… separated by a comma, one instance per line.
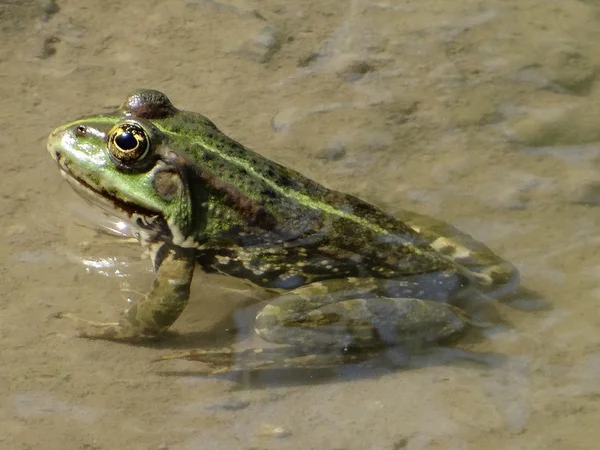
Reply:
x=219, y=360
x=90, y=329
x=107, y=331
x=66, y=315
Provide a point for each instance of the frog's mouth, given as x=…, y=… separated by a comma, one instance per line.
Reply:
x=136, y=215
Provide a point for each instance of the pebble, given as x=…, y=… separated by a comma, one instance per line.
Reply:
x=272, y=431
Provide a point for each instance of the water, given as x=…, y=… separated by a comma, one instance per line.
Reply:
x=480, y=113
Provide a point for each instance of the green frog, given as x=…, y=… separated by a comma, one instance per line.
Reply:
x=349, y=279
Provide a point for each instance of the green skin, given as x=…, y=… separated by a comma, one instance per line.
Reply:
x=352, y=279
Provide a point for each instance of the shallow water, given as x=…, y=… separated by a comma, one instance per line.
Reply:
x=483, y=114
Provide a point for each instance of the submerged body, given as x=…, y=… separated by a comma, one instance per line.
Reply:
x=350, y=276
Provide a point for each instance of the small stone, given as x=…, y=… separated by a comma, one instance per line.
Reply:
x=272, y=431
x=85, y=245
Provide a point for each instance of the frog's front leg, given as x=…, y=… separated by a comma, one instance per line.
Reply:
x=337, y=321
x=157, y=311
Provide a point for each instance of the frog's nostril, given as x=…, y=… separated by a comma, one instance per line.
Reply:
x=81, y=130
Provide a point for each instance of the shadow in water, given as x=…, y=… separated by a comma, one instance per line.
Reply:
x=386, y=361
x=258, y=368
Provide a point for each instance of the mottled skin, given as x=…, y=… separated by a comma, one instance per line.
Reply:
x=351, y=277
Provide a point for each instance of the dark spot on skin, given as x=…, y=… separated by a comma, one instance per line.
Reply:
x=81, y=131
x=234, y=148
x=263, y=218
x=323, y=320
x=206, y=156
x=268, y=193
x=148, y=104
x=285, y=181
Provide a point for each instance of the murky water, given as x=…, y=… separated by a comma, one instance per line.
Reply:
x=484, y=114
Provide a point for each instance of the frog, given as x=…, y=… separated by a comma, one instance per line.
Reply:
x=347, y=278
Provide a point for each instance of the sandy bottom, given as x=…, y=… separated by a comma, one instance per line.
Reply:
x=481, y=113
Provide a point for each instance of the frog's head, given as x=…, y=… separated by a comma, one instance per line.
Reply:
x=126, y=161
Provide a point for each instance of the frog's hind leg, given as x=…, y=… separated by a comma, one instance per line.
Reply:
x=321, y=327
x=361, y=323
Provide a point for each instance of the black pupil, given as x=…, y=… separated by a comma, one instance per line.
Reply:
x=126, y=141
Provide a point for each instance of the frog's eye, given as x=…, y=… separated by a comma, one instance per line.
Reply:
x=128, y=143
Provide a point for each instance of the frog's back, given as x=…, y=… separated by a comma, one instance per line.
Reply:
x=247, y=189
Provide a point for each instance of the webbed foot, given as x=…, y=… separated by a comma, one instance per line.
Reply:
x=89, y=329
x=224, y=360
